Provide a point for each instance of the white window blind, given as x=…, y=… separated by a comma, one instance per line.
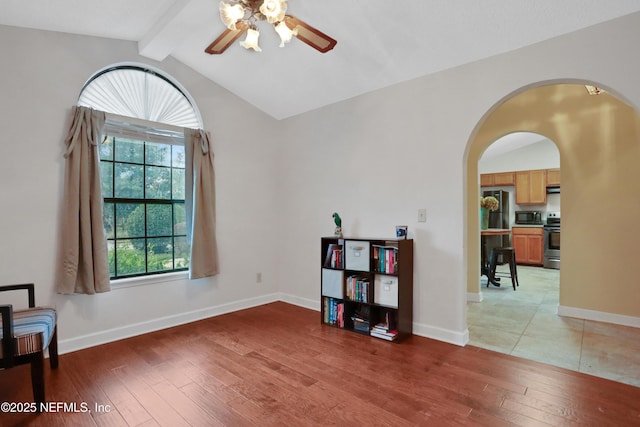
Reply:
x=133, y=91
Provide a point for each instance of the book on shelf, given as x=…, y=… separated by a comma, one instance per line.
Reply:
x=358, y=288
x=380, y=327
x=386, y=323
x=334, y=258
x=386, y=327
x=389, y=336
x=333, y=312
x=385, y=259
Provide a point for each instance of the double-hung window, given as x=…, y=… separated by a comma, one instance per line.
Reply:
x=143, y=185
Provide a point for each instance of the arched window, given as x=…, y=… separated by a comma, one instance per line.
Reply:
x=142, y=168
x=140, y=92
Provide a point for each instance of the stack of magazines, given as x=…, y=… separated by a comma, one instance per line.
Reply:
x=384, y=329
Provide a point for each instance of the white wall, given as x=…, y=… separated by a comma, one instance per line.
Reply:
x=40, y=78
x=539, y=155
x=378, y=158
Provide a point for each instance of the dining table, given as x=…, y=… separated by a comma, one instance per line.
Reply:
x=484, y=252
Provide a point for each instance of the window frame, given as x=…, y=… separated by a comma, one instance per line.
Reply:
x=127, y=128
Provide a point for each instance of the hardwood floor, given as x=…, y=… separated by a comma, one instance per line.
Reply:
x=276, y=365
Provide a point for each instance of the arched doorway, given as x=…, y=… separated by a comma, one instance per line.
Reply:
x=595, y=135
x=507, y=321
x=516, y=156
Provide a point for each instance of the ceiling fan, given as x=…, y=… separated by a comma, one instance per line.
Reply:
x=241, y=16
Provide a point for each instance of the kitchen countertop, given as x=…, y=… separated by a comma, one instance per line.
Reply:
x=495, y=231
x=528, y=225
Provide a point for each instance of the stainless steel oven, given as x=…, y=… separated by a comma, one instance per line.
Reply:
x=552, y=241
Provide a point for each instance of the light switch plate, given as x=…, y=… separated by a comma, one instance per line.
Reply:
x=422, y=215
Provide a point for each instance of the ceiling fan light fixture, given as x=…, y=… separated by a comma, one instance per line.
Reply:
x=229, y=14
x=241, y=16
x=251, y=42
x=285, y=33
x=273, y=10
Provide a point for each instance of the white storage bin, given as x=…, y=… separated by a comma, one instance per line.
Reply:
x=332, y=281
x=357, y=255
x=386, y=290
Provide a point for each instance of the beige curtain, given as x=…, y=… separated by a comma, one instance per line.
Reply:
x=200, y=204
x=83, y=266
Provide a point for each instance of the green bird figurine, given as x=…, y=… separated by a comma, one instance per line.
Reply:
x=338, y=221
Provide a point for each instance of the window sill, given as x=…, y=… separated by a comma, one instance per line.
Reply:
x=148, y=280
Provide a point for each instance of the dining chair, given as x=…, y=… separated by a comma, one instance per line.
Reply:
x=25, y=335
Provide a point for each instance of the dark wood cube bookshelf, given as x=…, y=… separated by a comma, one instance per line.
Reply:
x=367, y=286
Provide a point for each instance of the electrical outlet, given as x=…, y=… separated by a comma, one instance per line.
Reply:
x=422, y=215
x=258, y=277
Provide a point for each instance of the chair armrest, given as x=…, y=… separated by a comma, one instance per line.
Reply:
x=28, y=286
x=7, y=336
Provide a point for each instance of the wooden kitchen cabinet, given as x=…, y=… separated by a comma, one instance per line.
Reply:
x=500, y=179
x=553, y=177
x=504, y=179
x=486, y=180
x=528, y=245
x=531, y=187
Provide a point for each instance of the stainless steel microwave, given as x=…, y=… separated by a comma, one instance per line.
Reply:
x=529, y=217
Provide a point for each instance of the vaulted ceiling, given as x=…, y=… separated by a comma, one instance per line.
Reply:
x=380, y=43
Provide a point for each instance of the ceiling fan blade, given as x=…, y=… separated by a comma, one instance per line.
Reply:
x=225, y=39
x=309, y=35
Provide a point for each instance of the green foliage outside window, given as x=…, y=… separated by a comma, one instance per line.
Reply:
x=143, y=187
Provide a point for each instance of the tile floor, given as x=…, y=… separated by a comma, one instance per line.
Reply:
x=525, y=324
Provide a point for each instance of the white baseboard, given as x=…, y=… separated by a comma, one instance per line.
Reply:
x=452, y=337
x=599, y=316
x=474, y=297
x=446, y=335
x=311, y=304
x=127, y=331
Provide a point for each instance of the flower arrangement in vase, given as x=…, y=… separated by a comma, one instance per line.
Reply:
x=490, y=203
x=487, y=204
